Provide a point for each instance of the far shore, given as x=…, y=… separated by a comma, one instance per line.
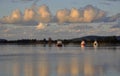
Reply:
x=102, y=40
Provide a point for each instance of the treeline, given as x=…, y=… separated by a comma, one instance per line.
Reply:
x=99, y=39
x=87, y=39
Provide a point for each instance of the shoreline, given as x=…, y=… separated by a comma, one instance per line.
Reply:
x=102, y=40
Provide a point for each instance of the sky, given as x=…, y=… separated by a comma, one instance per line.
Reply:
x=58, y=19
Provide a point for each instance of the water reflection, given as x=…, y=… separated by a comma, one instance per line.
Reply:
x=62, y=68
x=88, y=66
x=92, y=62
x=43, y=68
x=16, y=69
x=28, y=69
x=74, y=67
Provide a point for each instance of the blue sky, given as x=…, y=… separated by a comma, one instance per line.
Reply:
x=58, y=19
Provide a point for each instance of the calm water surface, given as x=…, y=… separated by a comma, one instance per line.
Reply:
x=37, y=60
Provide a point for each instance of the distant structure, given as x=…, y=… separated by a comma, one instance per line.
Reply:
x=82, y=43
x=95, y=43
x=59, y=43
x=44, y=42
x=49, y=41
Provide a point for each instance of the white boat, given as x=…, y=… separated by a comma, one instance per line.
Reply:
x=83, y=44
x=95, y=43
x=59, y=44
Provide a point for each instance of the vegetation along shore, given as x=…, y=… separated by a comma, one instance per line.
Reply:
x=88, y=39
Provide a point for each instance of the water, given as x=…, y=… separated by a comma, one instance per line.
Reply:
x=37, y=60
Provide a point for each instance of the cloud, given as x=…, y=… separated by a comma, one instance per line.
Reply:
x=35, y=15
x=38, y=14
x=116, y=25
x=2, y=28
x=82, y=27
x=62, y=15
x=75, y=15
x=73, y=30
x=31, y=16
x=113, y=18
x=15, y=17
x=41, y=26
x=92, y=13
x=44, y=13
x=88, y=14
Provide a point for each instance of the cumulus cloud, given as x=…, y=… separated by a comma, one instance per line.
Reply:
x=44, y=13
x=88, y=14
x=62, y=15
x=40, y=26
x=31, y=16
x=91, y=13
x=35, y=15
x=75, y=15
x=15, y=17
